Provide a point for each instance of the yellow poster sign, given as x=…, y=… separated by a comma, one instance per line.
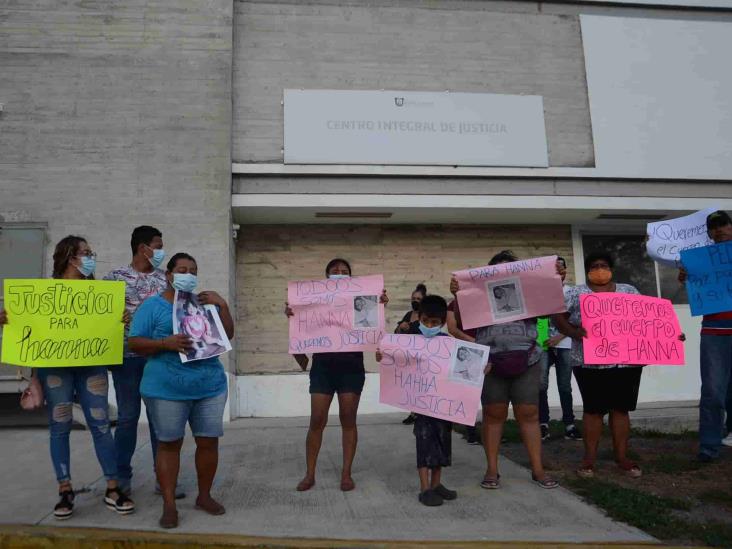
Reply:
x=55, y=322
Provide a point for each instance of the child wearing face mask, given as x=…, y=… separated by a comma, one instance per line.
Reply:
x=433, y=436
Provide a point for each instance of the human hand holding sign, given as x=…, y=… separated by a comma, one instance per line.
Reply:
x=179, y=343
x=3, y=317
x=211, y=298
x=126, y=318
x=454, y=286
x=384, y=298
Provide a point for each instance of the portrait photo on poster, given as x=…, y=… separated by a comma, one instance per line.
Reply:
x=202, y=324
x=468, y=364
x=366, y=311
x=505, y=298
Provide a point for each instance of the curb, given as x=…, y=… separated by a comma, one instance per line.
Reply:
x=47, y=537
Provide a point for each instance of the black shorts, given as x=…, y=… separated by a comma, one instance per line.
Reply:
x=337, y=373
x=605, y=389
x=434, y=441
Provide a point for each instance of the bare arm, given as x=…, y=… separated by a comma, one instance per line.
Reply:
x=561, y=321
x=452, y=328
x=144, y=346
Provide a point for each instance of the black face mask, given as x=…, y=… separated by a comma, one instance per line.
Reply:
x=415, y=305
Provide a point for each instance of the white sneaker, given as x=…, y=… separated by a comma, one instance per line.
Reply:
x=727, y=441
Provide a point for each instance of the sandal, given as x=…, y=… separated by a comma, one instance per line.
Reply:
x=115, y=500
x=64, y=508
x=491, y=483
x=630, y=468
x=586, y=470
x=547, y=483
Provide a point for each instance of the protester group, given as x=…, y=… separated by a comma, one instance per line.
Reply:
x=515, y=372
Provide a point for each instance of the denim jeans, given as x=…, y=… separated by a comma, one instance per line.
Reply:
x=715, y=366
x=90, y=385
x=127, y=378
x=561, y=361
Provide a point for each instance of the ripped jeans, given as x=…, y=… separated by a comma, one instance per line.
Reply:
x=90, y=385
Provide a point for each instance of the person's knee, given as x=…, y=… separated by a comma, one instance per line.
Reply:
x=318, y=422
x=62, y=415
x=526, y=413
x=207, y=443
x=170, y=445
x=495, y=413
x=348, y=419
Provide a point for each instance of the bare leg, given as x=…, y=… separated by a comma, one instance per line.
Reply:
x=436, y=477
x=620, y=429
x=527, y=416
x=424, y=478
x=167, y=465
x=592, y=426
x=348, y=411
x=319, y=406
x=494, y=416
x=207, y=461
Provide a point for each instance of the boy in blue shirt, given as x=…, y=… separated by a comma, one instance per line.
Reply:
x=433, y=436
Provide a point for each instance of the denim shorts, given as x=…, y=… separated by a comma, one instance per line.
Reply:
x=169, y=417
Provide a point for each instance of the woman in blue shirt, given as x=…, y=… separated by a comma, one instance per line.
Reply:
x=177, y=393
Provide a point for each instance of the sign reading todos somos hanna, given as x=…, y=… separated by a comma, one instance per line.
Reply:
x=709, y=278
x=440, y=377
x=630, y=329
x=667, y=239
x=336, y=315
x=63, y=322
x=404, y=127
x=509, y=291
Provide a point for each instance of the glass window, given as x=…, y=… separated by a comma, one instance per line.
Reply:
x=633, y=266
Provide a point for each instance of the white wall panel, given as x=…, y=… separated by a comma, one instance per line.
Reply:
x=660, y=95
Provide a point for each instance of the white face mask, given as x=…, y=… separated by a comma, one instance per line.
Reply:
x=337, y=276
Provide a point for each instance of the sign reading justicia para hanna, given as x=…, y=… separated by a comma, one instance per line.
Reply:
x=401, y=127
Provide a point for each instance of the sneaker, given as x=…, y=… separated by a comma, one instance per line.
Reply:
x=572, y=433
x=409, y=419
x=115, y=500
x=179, y=492
x=430, y=498
x=705, y=458
x=444, y=493
x=727, y=441
x=544, y=431
x=65, y=507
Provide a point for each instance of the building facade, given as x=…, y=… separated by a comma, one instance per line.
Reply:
x=171, y=114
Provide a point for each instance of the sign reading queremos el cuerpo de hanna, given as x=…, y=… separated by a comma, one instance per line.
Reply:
x=63, y=322
x=397, y=127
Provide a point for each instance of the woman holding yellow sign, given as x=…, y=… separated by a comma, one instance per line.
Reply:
x=73, y=259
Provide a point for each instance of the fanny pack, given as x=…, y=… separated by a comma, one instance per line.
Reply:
x=510, y=363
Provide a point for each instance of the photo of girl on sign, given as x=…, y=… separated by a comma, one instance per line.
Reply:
x=202, y=324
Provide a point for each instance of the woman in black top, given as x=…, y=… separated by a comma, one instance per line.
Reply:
x=412, y=316
x=332, y=373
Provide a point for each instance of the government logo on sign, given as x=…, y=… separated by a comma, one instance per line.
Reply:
x=399, y=101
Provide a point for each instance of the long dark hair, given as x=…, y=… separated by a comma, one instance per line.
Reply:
x=65, y=251
x=333, y=262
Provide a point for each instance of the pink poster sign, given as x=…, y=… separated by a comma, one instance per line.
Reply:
x=336, y=315
x=440, y=377
x=630, y=329
x=510, y=291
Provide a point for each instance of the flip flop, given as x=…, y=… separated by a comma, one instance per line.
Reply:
x=491, y=483
x=547, y=483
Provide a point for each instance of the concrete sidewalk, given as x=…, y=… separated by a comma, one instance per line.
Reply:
x=263, y=459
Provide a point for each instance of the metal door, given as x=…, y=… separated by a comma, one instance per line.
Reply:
x=21, y=256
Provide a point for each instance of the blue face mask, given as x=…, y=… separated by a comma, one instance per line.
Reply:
x=88, y=265
x=157, y=258
x=429, y=332
x=338, y=277
x=184, y=282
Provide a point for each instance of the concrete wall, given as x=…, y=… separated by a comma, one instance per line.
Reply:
x=269, y=256
x=118, y=114
x=492, y=47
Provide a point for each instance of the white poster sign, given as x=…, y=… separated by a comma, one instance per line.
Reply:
x=418, y=128
x=667, y=239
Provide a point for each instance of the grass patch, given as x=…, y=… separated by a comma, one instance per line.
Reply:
x=720, y=497
x=650, y=513
x=653, y=434
x=672, y=464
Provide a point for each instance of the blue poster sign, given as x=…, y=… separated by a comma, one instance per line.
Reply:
x=709, y=278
